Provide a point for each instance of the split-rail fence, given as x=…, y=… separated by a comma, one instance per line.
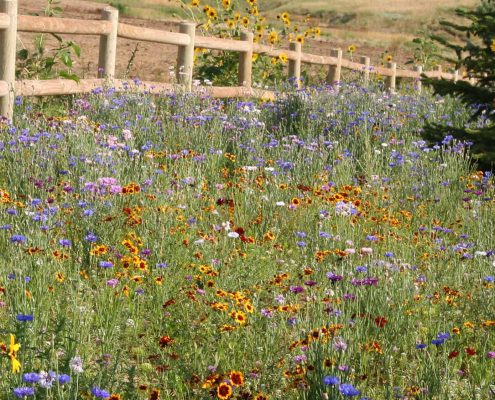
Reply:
x=109, y=29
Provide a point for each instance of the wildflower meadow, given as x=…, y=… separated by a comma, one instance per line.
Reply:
x=177, y=246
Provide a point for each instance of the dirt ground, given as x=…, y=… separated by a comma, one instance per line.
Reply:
x=152, y=60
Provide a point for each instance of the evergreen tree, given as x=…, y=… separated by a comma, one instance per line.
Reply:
x=474, y=47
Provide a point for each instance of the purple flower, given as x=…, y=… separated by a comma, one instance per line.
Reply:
x=63, y=379
x=112, y=282
x=331, y=380
x=18, y=239
x=105, y=264
x=65, y=242
x=333, y=277
x=100, y=393
x=31, y=377
x=348, y=390
x=339, y=344
x=296, y=289
x=22, y=392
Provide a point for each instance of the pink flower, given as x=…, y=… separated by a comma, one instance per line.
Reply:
x=490, y=354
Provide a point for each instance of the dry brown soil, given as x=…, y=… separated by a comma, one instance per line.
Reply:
x=152, y=60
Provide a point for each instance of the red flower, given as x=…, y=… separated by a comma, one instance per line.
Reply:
x=470, y=351
x=380, y=321
x=453, y=354
x=165, y=341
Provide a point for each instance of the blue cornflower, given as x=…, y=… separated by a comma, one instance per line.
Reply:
x=91, y=237
x=420, y=346
x=443, y=335
x=331, y=380
x=22, y=392
x=106, y=264
x=18, y=239
x=88, y=212
x=489, y=279
x=25, y=317
x=63, y=379
x=31, y=377
x=65, y=242
x=348, y=390
x=100, y=393
x=389, y=254
x=437, y=342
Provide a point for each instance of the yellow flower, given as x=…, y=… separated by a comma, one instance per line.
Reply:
x=226, y=3
x=351, y=48
x=283, y=58
x=212, y=13
x=300, y=39
x=273, y=37
x=13, y=349
x=251, y=2
x=389, y=58
x=245, y=21
x=195, y=3
x=492, y=46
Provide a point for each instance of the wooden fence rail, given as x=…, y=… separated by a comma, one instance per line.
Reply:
x=109, y=29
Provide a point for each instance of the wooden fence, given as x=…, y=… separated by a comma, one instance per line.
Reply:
x=109, y=29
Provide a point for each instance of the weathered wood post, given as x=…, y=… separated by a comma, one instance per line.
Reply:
x=390, y=81
x=245, y=76
x=418, y=86
x=108, y=44
x=333, y=76
x=8, y=37
x=185, y=57
x=366, y=71
x=438, y=71
x=295, y=65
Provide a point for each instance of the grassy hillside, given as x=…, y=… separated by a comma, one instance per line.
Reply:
x=381, y=23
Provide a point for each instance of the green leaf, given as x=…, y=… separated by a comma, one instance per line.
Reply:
x=70, y=76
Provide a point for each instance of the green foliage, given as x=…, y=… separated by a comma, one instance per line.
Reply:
x=41, y=63
x=123, y=9
x=426, y=51
x=227, y=19
x=474, y=49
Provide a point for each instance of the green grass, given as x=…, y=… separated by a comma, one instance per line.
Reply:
x=137, y=229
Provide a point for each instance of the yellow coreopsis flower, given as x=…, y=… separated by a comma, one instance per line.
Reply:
x=13, y=349
x=492, y=46
x=283, y=58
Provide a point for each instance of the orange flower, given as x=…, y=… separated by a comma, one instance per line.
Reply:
x=224, y=391
x=237, y=378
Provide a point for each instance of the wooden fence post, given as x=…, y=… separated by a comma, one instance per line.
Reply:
x=418, y=86
x=456, y=75
x=390, y=81
x=366, y=72
x=333, y=75
x=185, y=57
x=438, y=70
x=245, y=76
x=108, y=44
x=295, y=65
x=8, y=37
